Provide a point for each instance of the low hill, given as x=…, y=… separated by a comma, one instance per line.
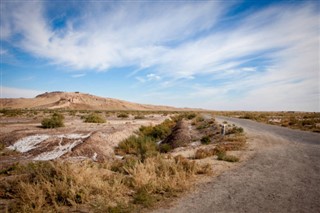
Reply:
x=78, y=101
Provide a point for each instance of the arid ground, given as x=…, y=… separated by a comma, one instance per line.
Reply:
x=277, y=169
x=282, y=176
x=185, y=148
x=90, y=138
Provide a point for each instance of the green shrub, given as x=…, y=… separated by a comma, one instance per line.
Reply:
x=205, y=140
x=147, y=148
x=10, y=169
x=219, y=150
x=211, y=121
x=200, y=119
x=94, y=118
x=158, y=132
x=120, y=208
x=165, y=148
x=203, y=126
x=141, y=146
x=128, y=146
x=190, y=115
x=247, y=116
x=123, y=115
x=143, y=197
x=55, y=121
x=234, y=130
x=122, y=166
x=231, y=158
x=307, y=123
x=144, y=145
x=72, y=113
x=11, y=112
x=222, y=155
x=139, y=117
x=2, y=146
x=228, y=158
x=204, y=153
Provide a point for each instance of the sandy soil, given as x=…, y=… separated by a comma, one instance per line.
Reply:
x=283, y=175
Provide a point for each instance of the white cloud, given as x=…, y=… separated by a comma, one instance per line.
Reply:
x=153, y=76
x=148, y=78
x=249, y=69
x=3, y=52
x=10, y=92
x=140, y=79
x=78, y=75
x=106, y=39
x=6, y=57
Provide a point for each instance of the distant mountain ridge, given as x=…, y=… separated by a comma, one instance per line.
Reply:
x=78, y=101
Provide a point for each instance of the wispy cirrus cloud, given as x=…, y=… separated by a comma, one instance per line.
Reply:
x=149, y=77
x=3, y=51
x=78, y=75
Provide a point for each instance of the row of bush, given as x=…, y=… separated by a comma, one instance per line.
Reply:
x=56, y=120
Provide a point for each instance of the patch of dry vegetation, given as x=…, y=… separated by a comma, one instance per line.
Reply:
x=220, y=151
x=123, y=115
x=204, y=153
x=308, y=121
x=141, y=178
x=234, y=140
x=139, y=116
x=102, y=187
x=12, y=112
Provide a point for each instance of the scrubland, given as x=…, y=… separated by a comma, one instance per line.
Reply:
x=307, y=121
x=160, y=155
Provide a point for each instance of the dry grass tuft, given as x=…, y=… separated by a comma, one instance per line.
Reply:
x=204, y=153
x=234, y=142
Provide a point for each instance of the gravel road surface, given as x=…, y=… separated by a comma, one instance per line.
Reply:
x=282, y=176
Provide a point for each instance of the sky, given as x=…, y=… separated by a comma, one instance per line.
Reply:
x=218, y=55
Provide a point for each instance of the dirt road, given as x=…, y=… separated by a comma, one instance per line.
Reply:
x=282, y=176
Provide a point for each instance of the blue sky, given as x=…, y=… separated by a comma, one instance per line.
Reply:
x=220, y=55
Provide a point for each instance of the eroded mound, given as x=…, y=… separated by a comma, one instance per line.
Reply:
x=180, y=135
